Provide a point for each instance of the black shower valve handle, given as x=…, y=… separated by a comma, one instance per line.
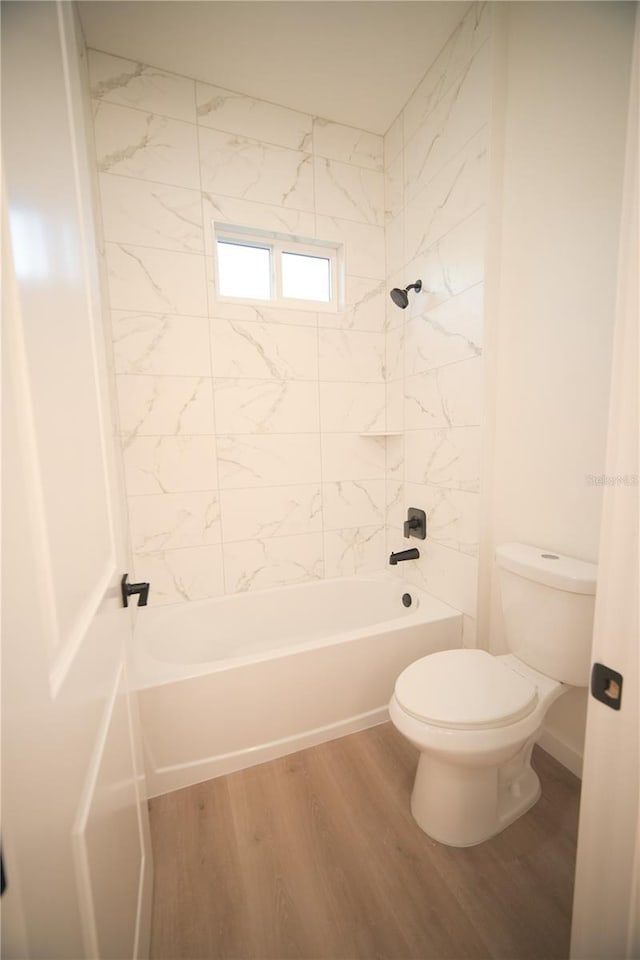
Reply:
x=410, y=525
x=133, y=589
x=416, y=523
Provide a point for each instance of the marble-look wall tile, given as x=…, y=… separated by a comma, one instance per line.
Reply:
x=240, y=422
x=132, y=84
x=352, y=407
x=455, y=193
x=256, y=216
x=449, y=332
x=394, y=249
x=263, y=351
x=131, y=143
x=448, y=396
x=348, y=192
x=453, y=264
x=394, y=188
x=256, y=312
x=256, y=513
x=395, y=512
x=364, y=307
x=164, y=406
x=394, y=457
x=348, y=144
x=167, y=521
x=276, y=562
x=453, y=60
x=352, y=551
x=266, y=406
x=394, y=315
x=460, y=113
x=160, y=344
x=436, y=198
x=447, y=574
x=178, y=576
x=394, y=354
x=394, y=396
x=157, y=281
x=268, y=461
x=349, y=503
x=170, y=464
x=258, y=119
x=151, y=214
x=449, y=457
x=393, y=141
x=452, y=515
x=250, y=170
x=363, y=245
x=351, y=355
x=347, y=456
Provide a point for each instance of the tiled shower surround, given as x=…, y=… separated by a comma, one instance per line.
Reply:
x=436, y=188
x=242, y=427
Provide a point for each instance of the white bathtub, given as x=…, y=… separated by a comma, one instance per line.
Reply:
x=228, y=683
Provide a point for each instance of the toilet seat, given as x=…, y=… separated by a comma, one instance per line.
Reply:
x=465, y=690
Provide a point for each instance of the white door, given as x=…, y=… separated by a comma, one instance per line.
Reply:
x=74, y=818
x=606, y=914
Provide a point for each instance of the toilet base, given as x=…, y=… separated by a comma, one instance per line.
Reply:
x=465, y=805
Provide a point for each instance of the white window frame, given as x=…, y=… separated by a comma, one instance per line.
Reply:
x=279, y=243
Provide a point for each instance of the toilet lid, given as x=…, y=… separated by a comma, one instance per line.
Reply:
x=465, y=689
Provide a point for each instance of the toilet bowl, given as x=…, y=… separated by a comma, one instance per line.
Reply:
x=474, y=776
x=475, y=717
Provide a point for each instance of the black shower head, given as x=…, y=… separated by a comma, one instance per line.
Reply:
x=400, y=297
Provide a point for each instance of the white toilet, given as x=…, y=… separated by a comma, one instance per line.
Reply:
x=475, y=717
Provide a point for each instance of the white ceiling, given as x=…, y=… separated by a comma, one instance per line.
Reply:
x=352, y=61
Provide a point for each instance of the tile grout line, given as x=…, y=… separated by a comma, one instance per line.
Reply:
x=376, y=171
x=235, y=199
x=319, y=390
x=209, y=286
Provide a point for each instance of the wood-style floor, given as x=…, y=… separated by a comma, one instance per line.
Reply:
x=316, y=855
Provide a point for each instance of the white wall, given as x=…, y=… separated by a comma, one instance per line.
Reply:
x=240, y=426
x=564, y=110
x=436, y=179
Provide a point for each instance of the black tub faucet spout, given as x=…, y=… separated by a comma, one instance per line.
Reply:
x=411, y=554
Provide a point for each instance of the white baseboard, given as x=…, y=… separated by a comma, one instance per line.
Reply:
x=161, y=780
x=568, y=756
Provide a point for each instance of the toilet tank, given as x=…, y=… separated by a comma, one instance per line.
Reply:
x=548, y=602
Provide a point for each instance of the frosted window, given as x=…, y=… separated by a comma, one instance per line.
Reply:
x=244, y=270
x=305, y=277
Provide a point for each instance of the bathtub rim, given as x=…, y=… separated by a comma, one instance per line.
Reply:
x=147, y=672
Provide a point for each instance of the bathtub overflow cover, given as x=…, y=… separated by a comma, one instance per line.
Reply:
x=406, y=599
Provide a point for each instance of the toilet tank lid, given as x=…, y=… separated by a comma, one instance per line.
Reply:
x=548, y=567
